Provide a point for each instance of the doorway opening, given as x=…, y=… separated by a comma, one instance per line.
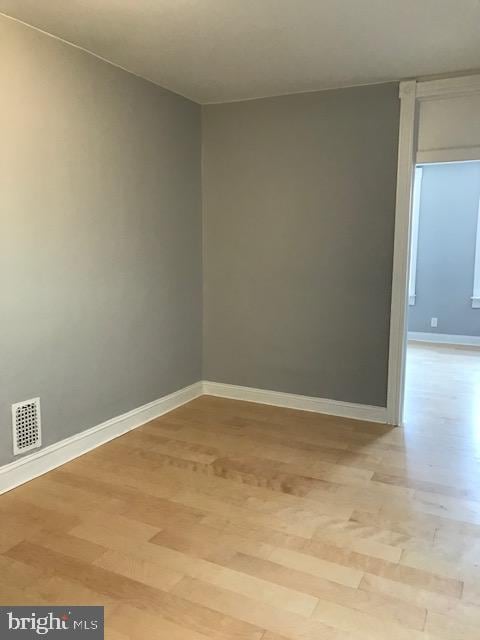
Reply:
x=442, y=382
x=439, y=132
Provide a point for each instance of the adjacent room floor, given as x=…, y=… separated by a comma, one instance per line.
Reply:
x=443, y=384
x=230, y=520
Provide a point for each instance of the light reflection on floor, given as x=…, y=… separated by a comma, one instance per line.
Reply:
x=442, y=399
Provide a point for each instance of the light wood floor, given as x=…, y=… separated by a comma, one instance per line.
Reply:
x=443, y=383
x=230, y=520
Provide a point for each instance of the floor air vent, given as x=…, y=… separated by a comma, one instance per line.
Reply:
x=27, y=433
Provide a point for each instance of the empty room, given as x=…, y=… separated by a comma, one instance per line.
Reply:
x=228, y=232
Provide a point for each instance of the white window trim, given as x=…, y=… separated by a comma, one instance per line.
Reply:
x=451, y=154
x=417, y=189
x=476, y=272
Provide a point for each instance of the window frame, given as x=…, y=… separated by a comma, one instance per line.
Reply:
x=476, y=270
x=412, y=276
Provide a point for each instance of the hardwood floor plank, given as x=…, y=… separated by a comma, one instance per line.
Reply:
x=379, y=606
x=142, y=624
x=124, y=589
x=400, y=573
x=456, y=609
x=319, y=567
x=140, y=569
x=16, y=576
x=68, y=545
x=254, y=612
x=202, y=541
x=362, y=624
x=235, y=521
x=443, y=626
x=165, y=566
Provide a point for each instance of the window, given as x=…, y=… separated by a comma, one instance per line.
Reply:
x=417, y=187
x=476, y=271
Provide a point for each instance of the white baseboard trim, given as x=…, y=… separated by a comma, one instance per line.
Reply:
x=31, y=466
x=293, y=401
x=36, y=464
x=444, y=338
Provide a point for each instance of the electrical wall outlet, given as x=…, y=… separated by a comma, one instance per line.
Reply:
x=434, y=322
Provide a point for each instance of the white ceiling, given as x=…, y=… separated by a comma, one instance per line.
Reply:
x=223, y=50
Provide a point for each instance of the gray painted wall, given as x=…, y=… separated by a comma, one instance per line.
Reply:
x=100, y=237
x=446, y=250
x=299, y=203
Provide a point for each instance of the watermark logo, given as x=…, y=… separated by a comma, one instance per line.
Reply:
x=51, y=622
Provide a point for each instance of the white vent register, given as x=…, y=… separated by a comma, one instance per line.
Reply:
x=26, y=426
